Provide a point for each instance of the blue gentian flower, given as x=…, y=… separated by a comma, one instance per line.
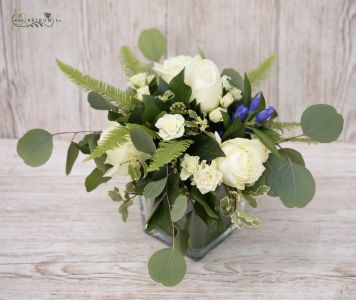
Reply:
x=240, y=112
x=221, y=133
x=255, y=102
x=265, y=114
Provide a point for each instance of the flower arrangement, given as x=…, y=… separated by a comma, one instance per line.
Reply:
x=196, y=142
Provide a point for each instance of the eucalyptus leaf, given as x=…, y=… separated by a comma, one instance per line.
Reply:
x=293, y=155
x=94, y=179
x=322, y=123
x=236, y=79
x=154, y=188
x=152, y=44
x=179, y=208
x=98, y=102
x=35, y=147
x=142, y=141
x=167, y=266
x=294, y=184
x=72, y=154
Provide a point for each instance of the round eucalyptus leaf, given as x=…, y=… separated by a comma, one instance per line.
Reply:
x=167, y=266
x=294, y=184
x=322, y=123
x=152, y=44
x=35, y=147
x=293, y=155
x=179, y=208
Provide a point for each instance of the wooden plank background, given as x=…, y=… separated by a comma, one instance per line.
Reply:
x=315, y=41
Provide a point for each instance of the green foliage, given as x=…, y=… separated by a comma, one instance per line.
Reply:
x=94, y=179
x=98, y=102
x=72, y=154
x=168, y=151
x=115, y=195
x=258, y=75
x=322, y=123
x=122, y=99
x=198, y=197
x=114, y=138
x=142, y=141
x=306, y=140
x=236, y=79
x=236, y=129
x=35, y=147
x=179, y=208
x=241, y=217
x=205, y=147
x=123, y=209
x=293, y=155
x=250, y=200
x=181, y=90
x=281, y=126
x=247, y=91
x=181, y=241
x=152, y=44
x=167, y=266
x=130, y=62
x=266, y=140
x=154, y=188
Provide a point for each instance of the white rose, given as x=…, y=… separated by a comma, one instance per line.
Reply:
x=170, y=126
x=203, y=77
x=243, y=163
x=142, y=91
x=207, y=178
x=189, y=166
x=227, y=100
x=215, y=115
x=236, y=93
x=120, y=157
x=172, y=66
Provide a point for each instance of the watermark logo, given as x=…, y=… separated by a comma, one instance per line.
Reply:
x=19, y=19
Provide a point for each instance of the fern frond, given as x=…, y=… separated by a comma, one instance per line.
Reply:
x=114, y=138
x=167, y=152
x=306, y=140
x=285, y=125
x=122, y=99
x=258, y=75
x=130, y=62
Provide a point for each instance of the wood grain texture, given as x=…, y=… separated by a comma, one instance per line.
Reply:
x=314, y=40
x=59, y=242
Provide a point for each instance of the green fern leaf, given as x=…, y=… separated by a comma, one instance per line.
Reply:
x=114, y=138
x=167, y=152
x=130, y=62
x=285, y=125
x=123, y=100
x=258, y=75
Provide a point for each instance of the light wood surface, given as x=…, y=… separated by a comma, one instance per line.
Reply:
x=59, y=242
x=314, y=40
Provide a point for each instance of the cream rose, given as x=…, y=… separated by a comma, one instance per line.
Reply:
x=120, y=157
x=215, y=115
x=243, y=163
x=227, y=100
x=189, y=166
x=170, y=126
x=207, y=178
x=172, y=66
x=203, y=77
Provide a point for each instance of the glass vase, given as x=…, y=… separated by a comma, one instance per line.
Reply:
x=204, y=233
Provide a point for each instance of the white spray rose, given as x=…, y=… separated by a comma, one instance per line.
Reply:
x=170, y=126
x=189, y=166
x=215, y=115
x=203, y=77
x=243, y=163
x=236, y=93
x=225, y=82
x=227, y=100
x=120, y=157
x=172, y=66
x=207, y=178
x=140, y=92
x=139, y=80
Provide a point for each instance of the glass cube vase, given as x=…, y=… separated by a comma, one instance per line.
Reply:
x=203, y=237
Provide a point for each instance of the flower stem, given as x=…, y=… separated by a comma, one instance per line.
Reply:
x=290, y=138
x=76, y=132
